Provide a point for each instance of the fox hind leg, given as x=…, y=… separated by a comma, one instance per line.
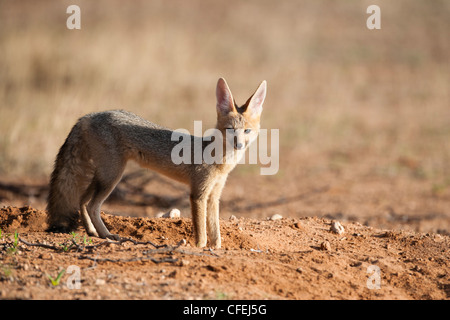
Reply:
x=102, y=185
x=90, y=229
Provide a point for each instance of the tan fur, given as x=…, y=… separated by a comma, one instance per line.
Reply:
x=92, y=160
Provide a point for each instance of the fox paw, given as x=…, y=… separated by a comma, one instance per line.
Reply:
x=115, y=237
x=201, y=244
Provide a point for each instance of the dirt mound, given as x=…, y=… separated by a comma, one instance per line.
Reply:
x=260, y=259
x=27, y=219
x=24, y=219
x=148, y=229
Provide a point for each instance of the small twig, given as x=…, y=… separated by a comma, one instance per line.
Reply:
x=142, y=259
x=43, y=245
x=212, y=252
x=91, y=247
x=198, y=253
x=123, y=240
x=158, y=249
x=77, y=246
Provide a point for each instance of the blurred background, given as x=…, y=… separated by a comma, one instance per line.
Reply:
x=364, y=115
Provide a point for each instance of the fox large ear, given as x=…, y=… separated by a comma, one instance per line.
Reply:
x=255, y=102
x=225, y=102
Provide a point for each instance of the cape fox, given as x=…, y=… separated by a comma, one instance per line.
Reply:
x=92, y=160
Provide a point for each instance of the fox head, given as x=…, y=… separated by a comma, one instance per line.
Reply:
x=239, y=124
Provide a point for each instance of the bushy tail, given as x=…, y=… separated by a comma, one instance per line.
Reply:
x=68, y=181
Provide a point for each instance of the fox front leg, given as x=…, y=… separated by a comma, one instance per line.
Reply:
x=198, y=207
x=212, y=217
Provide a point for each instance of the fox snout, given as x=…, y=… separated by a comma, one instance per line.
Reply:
x=238, y=146
x=236, y=138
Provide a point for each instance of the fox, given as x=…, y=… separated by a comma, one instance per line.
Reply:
x=91, y=162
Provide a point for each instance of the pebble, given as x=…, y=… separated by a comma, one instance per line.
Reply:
x=276, y=216
x=336, y=227
x=174, y=213
x=100, y=282
x=298, y=225
x=325, y=246
x=232, y=217
x=173, y=274
x=184, y=262
x=46, y=256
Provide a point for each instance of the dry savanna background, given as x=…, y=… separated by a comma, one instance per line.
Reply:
x=364, y=125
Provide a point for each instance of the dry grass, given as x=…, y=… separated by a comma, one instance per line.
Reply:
x=337, y=91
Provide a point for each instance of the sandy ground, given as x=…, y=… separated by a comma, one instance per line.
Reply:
x=290, y=258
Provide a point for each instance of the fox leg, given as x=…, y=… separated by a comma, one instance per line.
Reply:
x=88, y=226
x=212, y=215
x=104, y=182
x=198, y=207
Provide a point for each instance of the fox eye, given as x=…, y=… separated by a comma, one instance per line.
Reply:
x=247, y=130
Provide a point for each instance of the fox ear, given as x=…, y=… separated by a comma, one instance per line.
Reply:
x=255, y=102
x=225, y=102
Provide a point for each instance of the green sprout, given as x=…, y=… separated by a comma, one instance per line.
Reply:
x=55, y=281
x=13, y=248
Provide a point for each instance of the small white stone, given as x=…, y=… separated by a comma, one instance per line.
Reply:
x=233, y=217
x=336, y=227
x=174, y=213
x=184, y=262
x=276, y=217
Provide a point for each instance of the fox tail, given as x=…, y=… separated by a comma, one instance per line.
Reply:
x=69, y=178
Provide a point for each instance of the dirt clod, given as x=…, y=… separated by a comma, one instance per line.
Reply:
x=325, y=246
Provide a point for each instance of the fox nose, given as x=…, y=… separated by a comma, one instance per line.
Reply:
x=239, y=146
